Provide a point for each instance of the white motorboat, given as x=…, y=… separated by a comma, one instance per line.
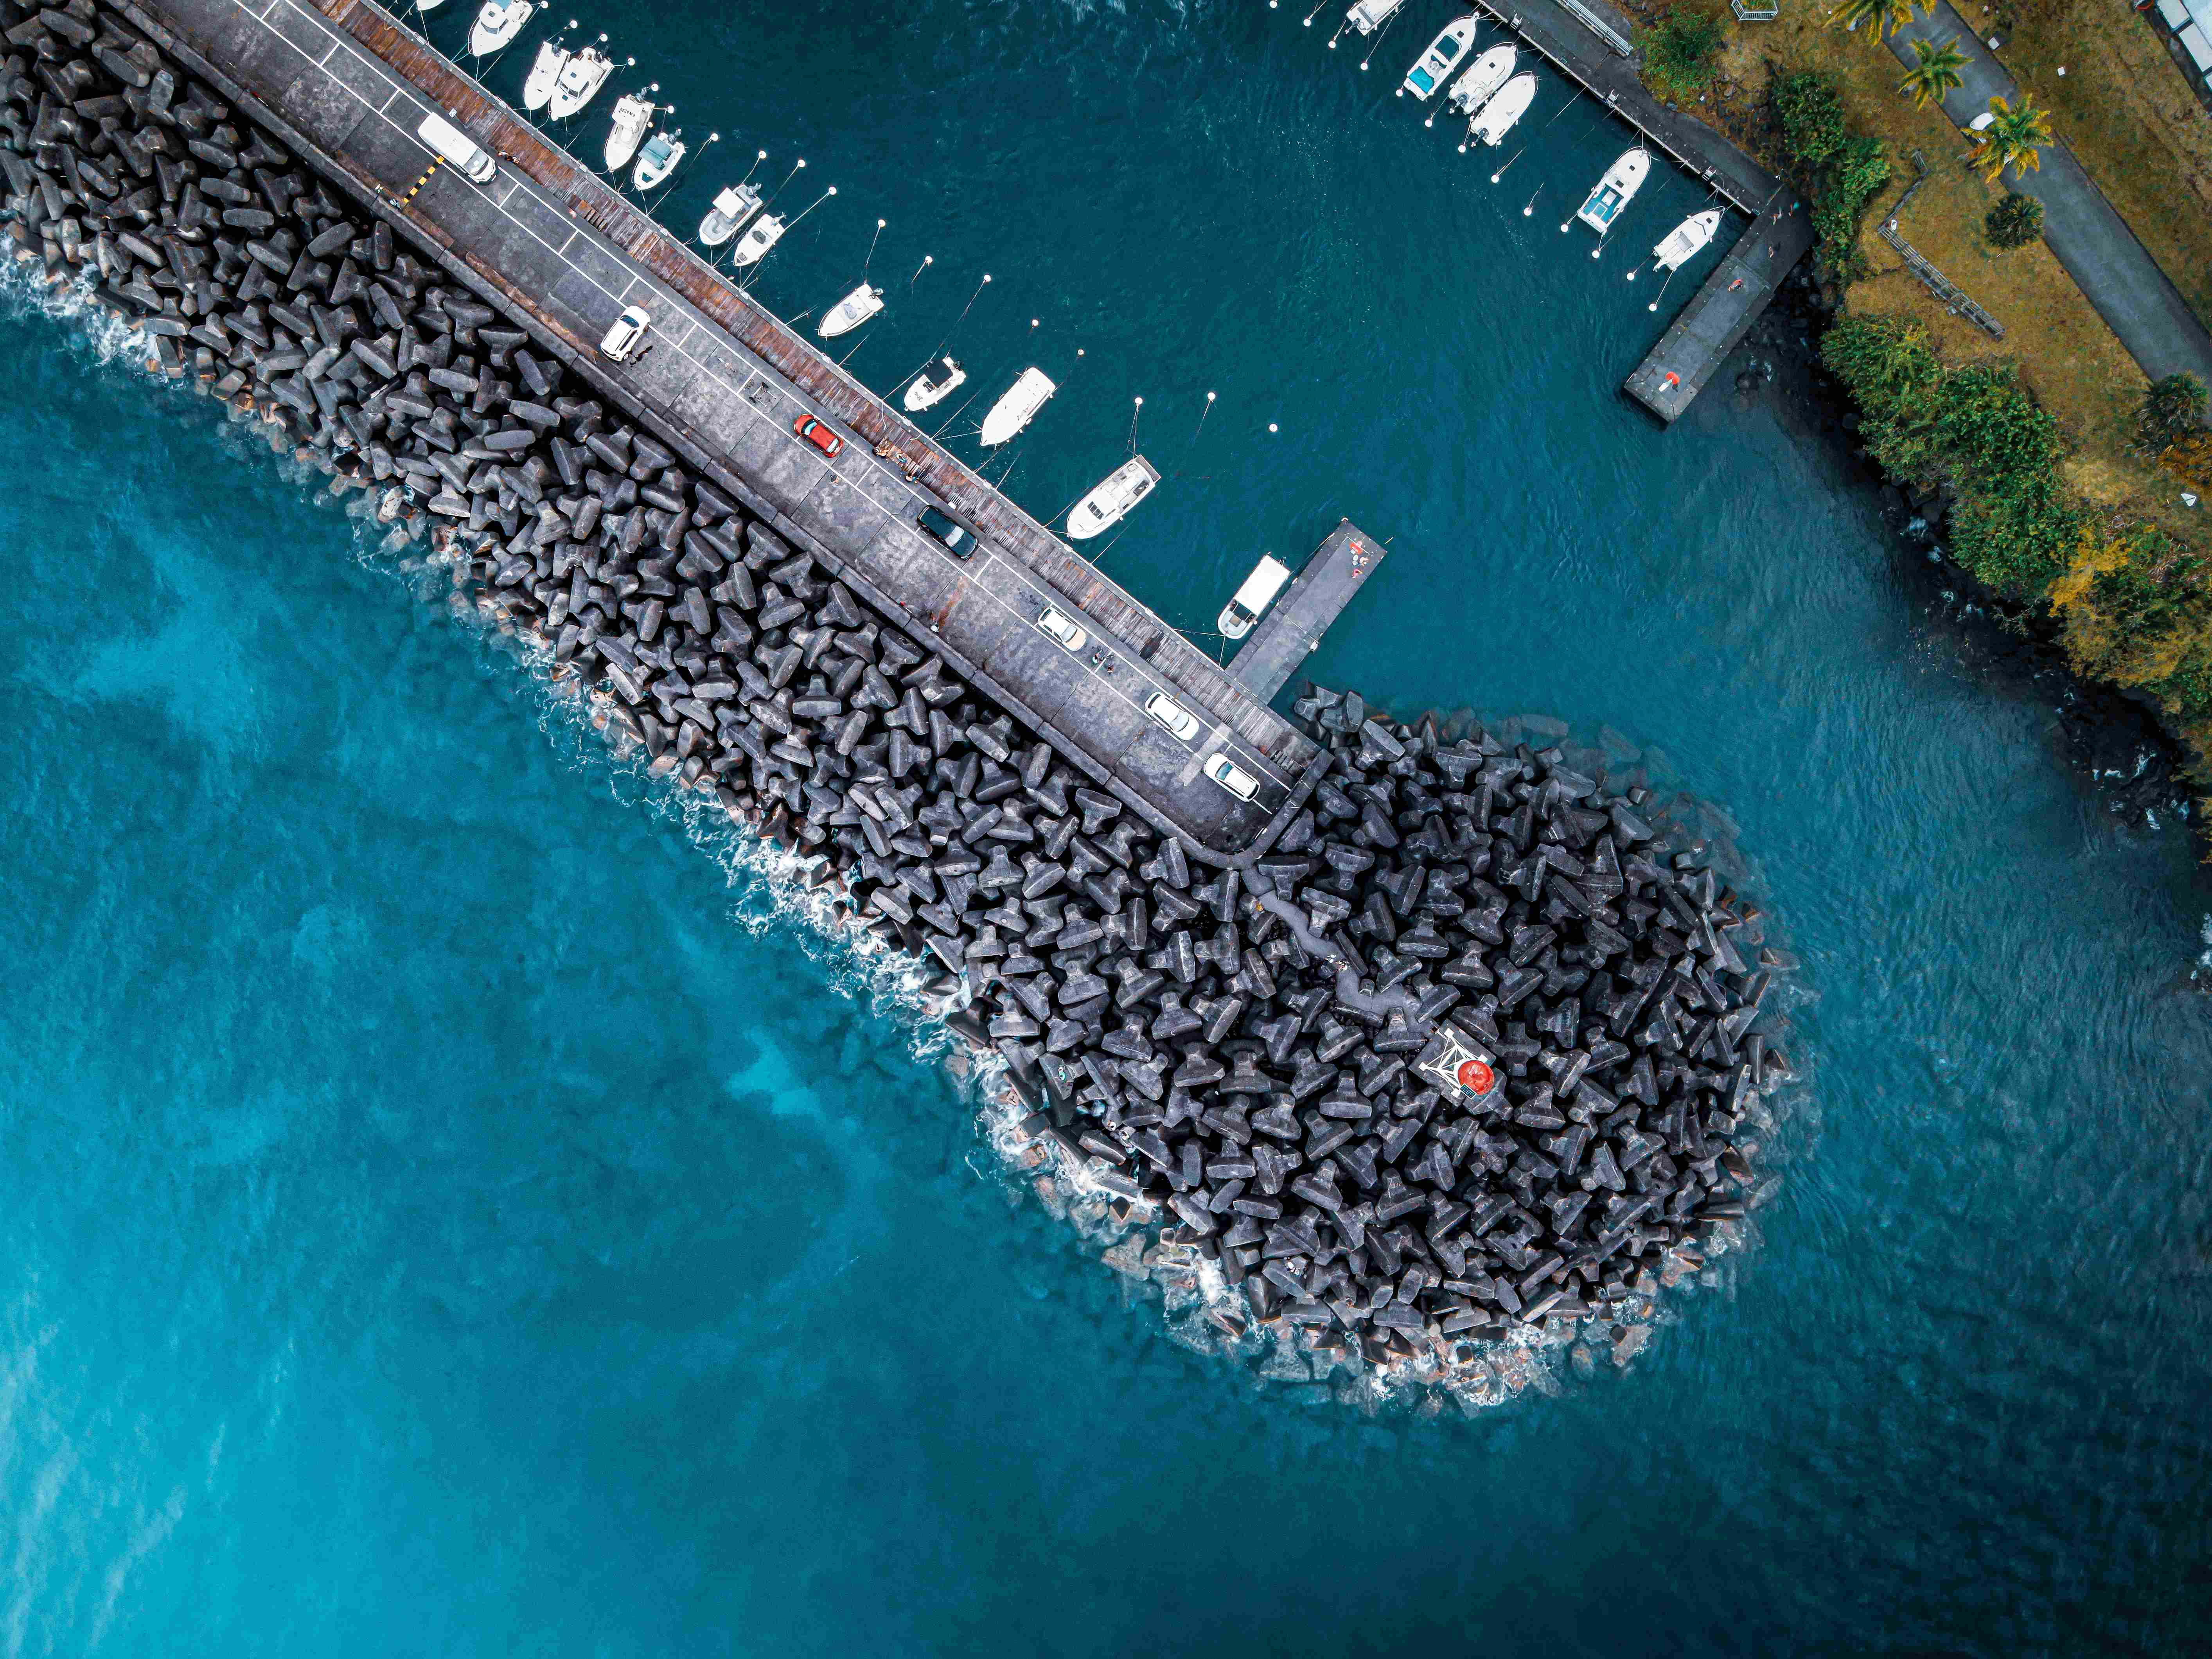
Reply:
x=497, y=24
x=1615, y=191
x=1502, y=109
x=544, y=74
x=1018, y=407
x=1258, y=592
x=732, y=211
x=633, y=115
x=429, y=5
x=1484, y=76
x=760, y=236
x=1680, y=243
x=662, y=154
x=580, y=81
x=1369, y=15
x=1109, y=503
x=1435, y=65
x=849, y=312
x=934, y=384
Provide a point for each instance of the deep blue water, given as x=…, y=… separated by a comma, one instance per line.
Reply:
x=444, y=1211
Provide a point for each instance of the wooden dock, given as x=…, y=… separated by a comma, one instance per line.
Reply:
x=550, y=245
x=1293, y=626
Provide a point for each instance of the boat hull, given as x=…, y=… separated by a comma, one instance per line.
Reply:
x=925, y=393
x=733, y=212
x=653, y=170
x=1684, y=242
x=1110, y=501
x=849, y=312
x=494, y=31
x=1492, y=71
x=1502, y=110
x=544, y=76
x=1434, y=67
x=580, y=83
x=632, y=122
x=1369, y=15
x=1615, y=192
x=754, y=245
x=1018, y=407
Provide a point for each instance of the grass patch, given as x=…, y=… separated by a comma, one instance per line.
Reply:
x=1682, y=52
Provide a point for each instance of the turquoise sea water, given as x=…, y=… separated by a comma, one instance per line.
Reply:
x=444, y=1211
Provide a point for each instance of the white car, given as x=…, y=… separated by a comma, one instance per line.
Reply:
x=623, y=338
x=1232, y=777
x=1061, y=629
x=1172, y=715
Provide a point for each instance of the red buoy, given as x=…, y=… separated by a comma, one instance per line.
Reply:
x=1476, y=1077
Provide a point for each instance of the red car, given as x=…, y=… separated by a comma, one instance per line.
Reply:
x=818, y=435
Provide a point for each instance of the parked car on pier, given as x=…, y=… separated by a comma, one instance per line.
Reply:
x=817, y=432
x=624, y=338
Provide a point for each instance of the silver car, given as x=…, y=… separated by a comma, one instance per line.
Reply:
x=1172, y=715
x=1062, y=629
x=1232, y=777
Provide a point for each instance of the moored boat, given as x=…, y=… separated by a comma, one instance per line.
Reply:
x=633, y=115
x=497, y=24
x=1017, y=406
x=544, y=74
x=849, y=312
x=1502, y=109
x=732, y=211
x=1682, y=243
x=1369, y=15
x=1109, y=501
x=760, y=236
x=662, y=154
x=1434, y=67
x=1253, y=598
x=1489, y=71
x=1615, y=191
x=579, y=82
x=934, y=384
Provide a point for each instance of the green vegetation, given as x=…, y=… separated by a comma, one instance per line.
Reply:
x=1935, y=72
x=1842, y=170
x=1976, y=427
x=2017, y=138
x=2134, y=605
x=1880, y=15
x=2172, y=408
x=2015, y=221
x=1680, y=54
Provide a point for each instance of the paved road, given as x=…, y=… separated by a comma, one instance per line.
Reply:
x=983, y=610
x=2121, y=280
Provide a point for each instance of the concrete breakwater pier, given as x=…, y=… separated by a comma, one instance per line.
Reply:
x=1477, y=1047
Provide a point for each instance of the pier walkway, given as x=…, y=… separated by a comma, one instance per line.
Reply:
x=1589, y=43
x=1302, y=613
x=548, y=243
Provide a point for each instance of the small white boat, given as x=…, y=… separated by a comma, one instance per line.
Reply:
x=934, y=384
x=733, y=212
x=580, y=81
x=661, y=156
x=632, y=116
x=497, y=24
x=1109, y=503
x=849, y=312
x=429, y=5
x=1503, y=107
x=1019, y=407
x=1434, y=66
x=544, y=74
x=1484, y=76
x=1686, y=239
x=1257, y=594
x=760, y=236
x=1615, y=191
x=1369, y=15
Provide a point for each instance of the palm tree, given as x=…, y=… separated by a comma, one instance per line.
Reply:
x=1884, y=15
x=1935, y=74
x=2013, y=138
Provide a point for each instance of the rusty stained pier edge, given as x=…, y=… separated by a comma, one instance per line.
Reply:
x=722, y=382
x=1722, y=311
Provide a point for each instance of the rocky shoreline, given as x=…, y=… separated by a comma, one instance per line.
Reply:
x=1475, y=1058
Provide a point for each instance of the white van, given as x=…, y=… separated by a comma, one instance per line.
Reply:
x=457, y=147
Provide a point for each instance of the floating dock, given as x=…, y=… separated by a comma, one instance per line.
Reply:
x=723, y=380
x=1590, y=43
x=1294, y=625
